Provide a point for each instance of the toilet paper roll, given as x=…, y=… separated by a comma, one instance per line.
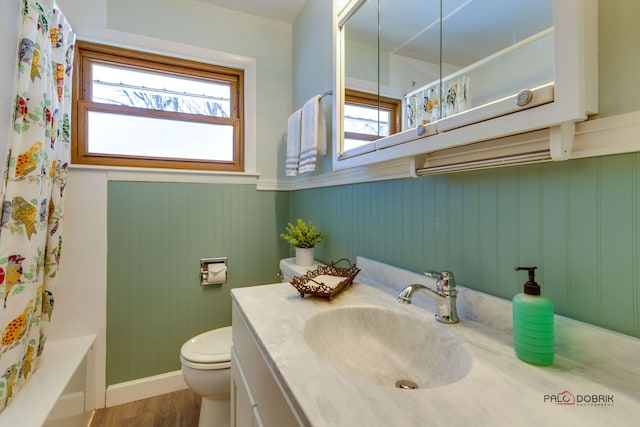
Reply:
x=216, y=273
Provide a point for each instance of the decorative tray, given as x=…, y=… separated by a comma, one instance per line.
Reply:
x=326, y=280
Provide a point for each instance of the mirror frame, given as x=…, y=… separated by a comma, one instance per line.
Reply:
x=574, y=92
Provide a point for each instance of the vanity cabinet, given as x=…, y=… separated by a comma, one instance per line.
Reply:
x=257, y=397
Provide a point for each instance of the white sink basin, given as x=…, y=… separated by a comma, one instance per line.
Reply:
x=388, y=347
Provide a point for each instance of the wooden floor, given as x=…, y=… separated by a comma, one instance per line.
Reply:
x=177, y=409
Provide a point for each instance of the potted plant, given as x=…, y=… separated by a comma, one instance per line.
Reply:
x=304, y=237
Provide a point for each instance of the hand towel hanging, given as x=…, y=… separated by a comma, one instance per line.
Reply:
x=314, y=135
x=293, y=143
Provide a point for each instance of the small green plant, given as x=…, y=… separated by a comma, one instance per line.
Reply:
x=302, y=235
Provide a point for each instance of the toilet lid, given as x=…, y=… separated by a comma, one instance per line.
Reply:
x=209, y=347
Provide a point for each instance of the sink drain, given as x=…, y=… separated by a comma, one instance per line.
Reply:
x=406, y=385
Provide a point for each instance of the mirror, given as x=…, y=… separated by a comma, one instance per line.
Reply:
x=484, y=51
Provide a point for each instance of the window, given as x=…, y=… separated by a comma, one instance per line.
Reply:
x=368, y=117
x=139, y=109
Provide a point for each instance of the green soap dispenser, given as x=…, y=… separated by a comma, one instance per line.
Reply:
x=533, y=323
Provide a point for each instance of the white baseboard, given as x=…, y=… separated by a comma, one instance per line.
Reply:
x=143, y=388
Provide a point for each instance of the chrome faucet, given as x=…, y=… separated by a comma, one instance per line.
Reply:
x=444, y=294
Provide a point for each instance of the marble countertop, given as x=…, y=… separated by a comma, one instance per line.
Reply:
x=591, y=363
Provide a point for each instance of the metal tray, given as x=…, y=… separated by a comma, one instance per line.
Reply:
x=326, y=280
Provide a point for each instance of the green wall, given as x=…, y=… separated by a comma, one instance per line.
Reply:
x=578, y=221
x=157, y=233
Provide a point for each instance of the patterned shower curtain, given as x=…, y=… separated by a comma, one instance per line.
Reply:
x=32, y=191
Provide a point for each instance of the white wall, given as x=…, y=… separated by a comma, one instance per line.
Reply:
x=84, y=13
x=313, y=68
x=198, y=24
x=81, y=296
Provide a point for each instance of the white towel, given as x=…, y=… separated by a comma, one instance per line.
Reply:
x=293, y=143
x=314, y=134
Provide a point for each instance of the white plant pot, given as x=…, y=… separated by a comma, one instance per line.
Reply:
x=304, y=256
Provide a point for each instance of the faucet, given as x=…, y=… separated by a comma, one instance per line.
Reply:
x=444, y=294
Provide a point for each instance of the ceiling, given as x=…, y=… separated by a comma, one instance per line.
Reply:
x=474, y=28
x=277, y=10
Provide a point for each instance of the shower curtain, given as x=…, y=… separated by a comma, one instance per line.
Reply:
x=32, y=191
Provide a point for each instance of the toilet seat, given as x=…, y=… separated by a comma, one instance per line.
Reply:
x=209, y=350
x=204, y=366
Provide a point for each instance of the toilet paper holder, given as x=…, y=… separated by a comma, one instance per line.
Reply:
x=213, y=271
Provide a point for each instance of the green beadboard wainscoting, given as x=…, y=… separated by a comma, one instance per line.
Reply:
x=157, y=233
x=578, y=221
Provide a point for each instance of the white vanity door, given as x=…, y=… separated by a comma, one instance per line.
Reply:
x=257, y=397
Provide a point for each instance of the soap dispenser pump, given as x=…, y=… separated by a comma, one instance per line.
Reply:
x=533, y=323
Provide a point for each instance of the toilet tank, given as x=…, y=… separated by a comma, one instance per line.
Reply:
x=289, y=269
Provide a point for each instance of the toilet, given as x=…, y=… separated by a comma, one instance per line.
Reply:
x=206, y=362
x=289, y=269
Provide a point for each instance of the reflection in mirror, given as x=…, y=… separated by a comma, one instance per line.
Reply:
x=368, y=117
x=362, y=116
x=499, y=48
x=490, y=49
x=361, y=47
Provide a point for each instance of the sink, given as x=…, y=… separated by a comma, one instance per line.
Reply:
x=388, y=347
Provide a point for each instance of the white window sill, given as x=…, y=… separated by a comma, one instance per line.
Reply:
x=121, y=173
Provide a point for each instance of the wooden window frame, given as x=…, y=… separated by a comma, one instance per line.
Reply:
x=88, y=53
x=372, y=100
